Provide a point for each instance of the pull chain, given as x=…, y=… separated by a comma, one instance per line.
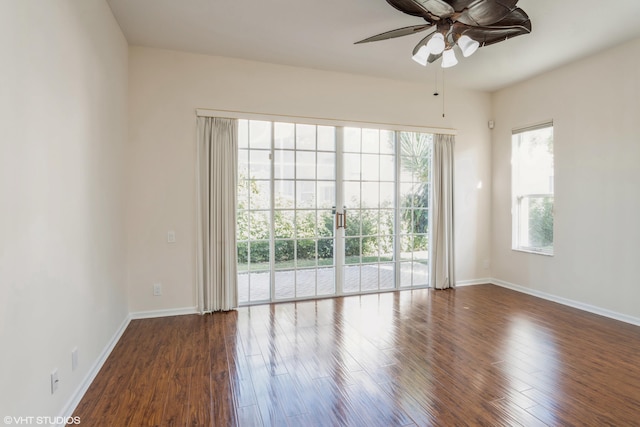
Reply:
x=443, y=93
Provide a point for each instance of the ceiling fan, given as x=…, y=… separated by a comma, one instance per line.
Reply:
x=468, y=23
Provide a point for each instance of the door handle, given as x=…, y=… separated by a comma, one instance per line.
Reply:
x=341, y=218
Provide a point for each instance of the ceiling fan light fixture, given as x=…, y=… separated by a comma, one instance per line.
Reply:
x=468, y=46
x=449, y=58
x=422, y=55
x=436, y=44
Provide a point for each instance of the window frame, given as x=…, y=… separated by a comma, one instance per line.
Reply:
x=518, y=196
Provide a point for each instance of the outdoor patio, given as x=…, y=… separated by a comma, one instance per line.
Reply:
x=311, y=282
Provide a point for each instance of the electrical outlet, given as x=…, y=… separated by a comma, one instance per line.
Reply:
x=74, y=359
x=171, y=236
x=54, y=381
x=157, y=289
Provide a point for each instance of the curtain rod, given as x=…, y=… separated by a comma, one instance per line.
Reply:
x=230, y=114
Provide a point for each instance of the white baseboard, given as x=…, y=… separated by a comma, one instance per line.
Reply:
x=164, y=313
x=474, y=282
x=77, y=395
x=568, y=302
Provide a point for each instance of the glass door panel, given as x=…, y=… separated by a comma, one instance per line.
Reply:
x=254, y=211
x=304, y=192
x=370, y=210
x=415, y=174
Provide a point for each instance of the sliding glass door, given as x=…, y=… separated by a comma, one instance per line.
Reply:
x=319, y=215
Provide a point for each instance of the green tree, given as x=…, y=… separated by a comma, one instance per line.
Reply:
x=415, y=159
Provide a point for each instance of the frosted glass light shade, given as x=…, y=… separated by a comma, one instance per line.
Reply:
x=422, y=55
x=449, y=59
x=468, y=46
x=436, y=44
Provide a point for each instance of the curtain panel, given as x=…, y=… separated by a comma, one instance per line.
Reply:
x=441, y=267
x=217, y=169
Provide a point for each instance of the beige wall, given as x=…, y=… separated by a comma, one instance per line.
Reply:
x=63, y=74
x=165, y=89
x=595, y=106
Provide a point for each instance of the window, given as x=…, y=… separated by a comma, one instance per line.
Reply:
x=532, y=189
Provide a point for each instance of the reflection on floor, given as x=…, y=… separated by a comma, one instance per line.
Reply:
x=474, y=356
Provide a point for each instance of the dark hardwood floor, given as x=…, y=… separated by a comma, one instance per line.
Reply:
x=479, y=355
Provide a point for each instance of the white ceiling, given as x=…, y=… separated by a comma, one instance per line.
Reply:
x=320, y=34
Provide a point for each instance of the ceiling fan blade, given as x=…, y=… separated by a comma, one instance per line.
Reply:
x=405, y=31
x=410, y=8
x=433, y=58
x=487, y=12
x=427, y=9
x=438, y=8
x=490, y=35
x=516, y=17
x=460, y=5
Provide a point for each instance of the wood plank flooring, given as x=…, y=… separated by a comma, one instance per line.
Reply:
x=477, y=356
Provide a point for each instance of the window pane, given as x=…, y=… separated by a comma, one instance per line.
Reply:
x=305, y=194
x=305, y=224
x=305, y=165
x=243, y=164
x=283, y=135
x=242, y=227
x=284, y=222
x=305, y=137
x=352, y=250
x=326, y=194
x=259, y=254
x=326, y=166
x=351, y=167
x=259, y=134
x=387, y=142
x=259, y=225
x=284, y=253
x=325, y=223
x=351, y=279
x=370, y=141
x=260, y=194
x=325, y=252
x=353, y=222
x=352, y=140
x=243, y=133
x=305, y=253
x=260, y=164
x=370, y=194
x=387, y=168
x=536, y=216
x=306, y=283
x=284, y=194
x=387, y=190
x=352, y=194
x=326, y=138
x=259, y=288
x=370, y=167
x=284, y=165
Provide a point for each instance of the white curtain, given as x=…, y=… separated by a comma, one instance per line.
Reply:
x=217, y=156
x=441, y=268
